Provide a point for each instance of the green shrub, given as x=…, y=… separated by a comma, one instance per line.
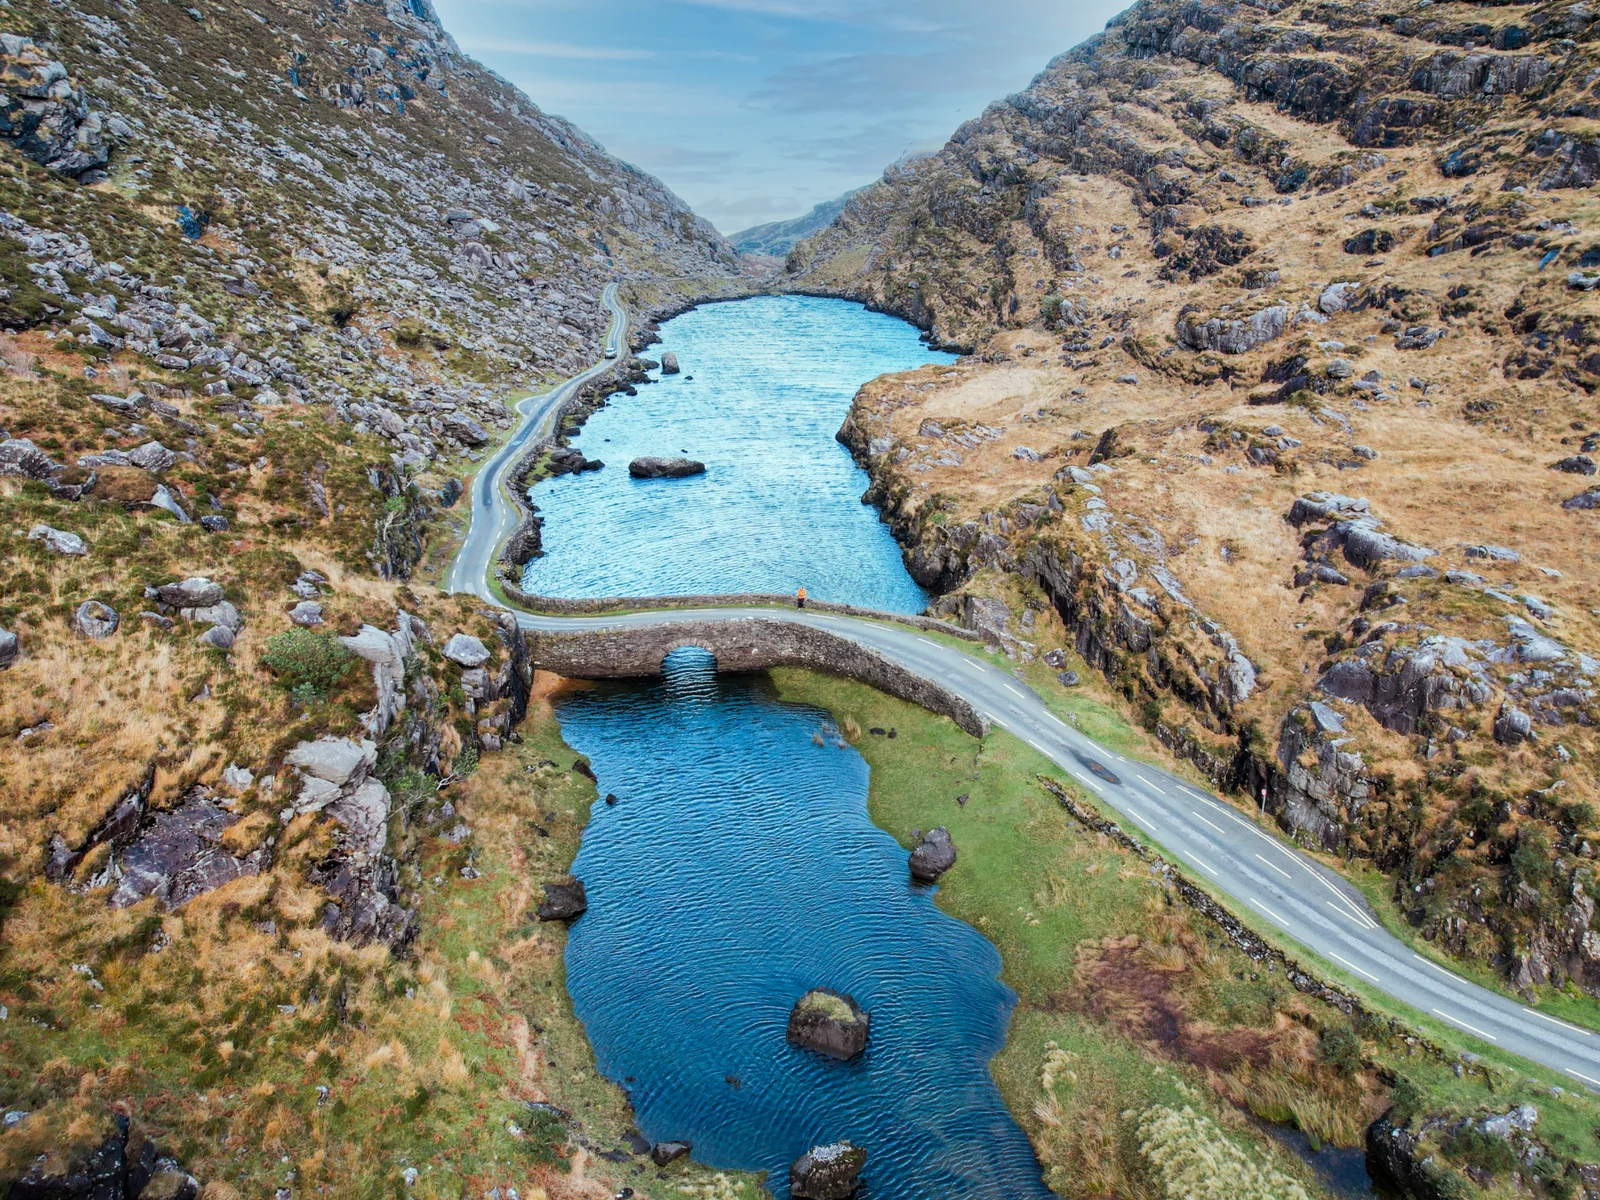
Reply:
x=309, y=664
x=1470, y=1145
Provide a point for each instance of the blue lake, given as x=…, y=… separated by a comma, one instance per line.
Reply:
x=738, y=870
x=779, y=505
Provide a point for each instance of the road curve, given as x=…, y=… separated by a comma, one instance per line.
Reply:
x=1264, y=877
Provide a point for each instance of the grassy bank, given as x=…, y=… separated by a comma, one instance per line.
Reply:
x=267, y=1056
x=1131, y=1008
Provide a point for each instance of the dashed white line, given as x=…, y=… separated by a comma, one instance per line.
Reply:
x=1585, y=1078
x=1430, y=963
x=1469, y=1028
x=1037, y=747
x=1153, y=787
x=1213, y=824
x=1275, y=867
x=1014, y=691
x=1339, y=958
x=1268, y=911
x=1196, y=858
x=926, y=642
x=1360, y=920
x=1553, y=1021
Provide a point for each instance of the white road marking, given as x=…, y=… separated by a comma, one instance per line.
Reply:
x=1585, y=1078
x=1014, y=691
x=1275, y=867
x=1153, y=787
x=1213, y=825
x=1553, y=1021
x=1430, y=963
x=1268, y=911
x=1353, y=916
x=926, y=642
x=1201, y=861
x=1469, y=1028
x=1341, y=959
x=1037, y=747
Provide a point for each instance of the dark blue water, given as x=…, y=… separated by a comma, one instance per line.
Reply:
x=739, y=870
x=779, y=506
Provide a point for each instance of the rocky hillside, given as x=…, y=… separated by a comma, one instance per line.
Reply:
x=777, y=238
x=268, y=279
x=1284, y=321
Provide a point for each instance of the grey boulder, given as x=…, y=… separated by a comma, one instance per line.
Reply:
x=665, y=468
x=669, y=363
x=662, y=1153
x=218, y=637
x=466, y=650
x=1584, y=501
x=9, y=645
x=933, y=855
x=152, y=457
x=827, y=1172
x=1578, y=464
x=307, y=613
x=58, y=540
x=336, y=760
x=829, y=1023
x=1512, y=726
x=95, y=620
x=195, y=592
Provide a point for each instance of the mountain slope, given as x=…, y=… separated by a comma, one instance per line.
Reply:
x=777, y=238
x=1282, y=399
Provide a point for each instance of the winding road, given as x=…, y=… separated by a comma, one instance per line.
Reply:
x=1267, y=880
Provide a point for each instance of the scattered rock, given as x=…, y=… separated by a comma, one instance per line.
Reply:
x=565, y=460
x=466, y=650
x=1578, y=464
x=194, y=592
x=178, y=855
x=58, y=540
x=95, y=620
x=1512, y=726
x=10, y=644
x=563, y=901
x=1231, y=336
x=662, y=1153
x=212, y=523
x=1337, y=297
x=829, y=1023
x=669, y=363
x=218, y=637
x=1068, y=678
x=933, y=855
x=306, y=613
x=1492, y=553
x=827, y=1172
x=665, y=468
x=1521, y=1119
x=1584, y=501
x=152, y=457
x=338, y=761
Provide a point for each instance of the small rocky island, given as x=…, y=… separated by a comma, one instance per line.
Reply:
x=933, y=855
x=564, y=901
x=665, y=468
x=829, y=1023
x=827, y=1172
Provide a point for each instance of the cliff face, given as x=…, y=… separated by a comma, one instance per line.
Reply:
x=1282, y=320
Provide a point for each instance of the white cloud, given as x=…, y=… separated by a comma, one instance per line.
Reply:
x=554, y=50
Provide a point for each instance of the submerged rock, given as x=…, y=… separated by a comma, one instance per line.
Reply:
x=933, y=855
x=827, y=1172
x=829, y=1023
x=665, y=468
x=563, y=901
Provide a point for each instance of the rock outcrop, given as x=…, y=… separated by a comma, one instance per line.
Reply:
x=563, y=901
x=669, y=363
x=829, y=1023
x=827, y=1172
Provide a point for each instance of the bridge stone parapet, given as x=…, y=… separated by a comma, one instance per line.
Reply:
x=741, y=644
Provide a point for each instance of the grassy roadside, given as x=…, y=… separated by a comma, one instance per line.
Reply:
x=1129, y=1003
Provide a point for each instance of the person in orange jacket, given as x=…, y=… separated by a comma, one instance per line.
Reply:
x=800, y=598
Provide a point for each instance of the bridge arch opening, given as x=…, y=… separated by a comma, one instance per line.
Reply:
x=690, y=671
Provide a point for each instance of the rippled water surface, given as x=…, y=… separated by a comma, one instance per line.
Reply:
x=738, y=870
x=779, y=506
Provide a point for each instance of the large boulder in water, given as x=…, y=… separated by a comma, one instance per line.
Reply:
x=827, y=1172
x=829, y=1023
x=665, y=468
x=669, y=363
x=933, y=855
x=563, y=901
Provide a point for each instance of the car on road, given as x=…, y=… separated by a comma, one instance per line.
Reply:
x=611, y=352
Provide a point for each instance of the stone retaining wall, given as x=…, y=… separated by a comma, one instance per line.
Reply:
x=744, y=644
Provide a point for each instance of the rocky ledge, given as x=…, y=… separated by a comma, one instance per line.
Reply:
x=829, y=1023
x=665, y=468
x=827, y=1172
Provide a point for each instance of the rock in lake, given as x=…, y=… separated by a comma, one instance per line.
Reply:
x=933, y=855
x=663, y=1153
x=563, y=901
x=827, y=1172
x=669, y=363
x=95, y=620
x=665, y=468
x=829, y=1023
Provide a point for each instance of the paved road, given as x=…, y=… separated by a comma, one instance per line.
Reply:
x=494, y=516
x=1272, y=881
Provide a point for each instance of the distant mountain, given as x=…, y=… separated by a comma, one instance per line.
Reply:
x=779, y=237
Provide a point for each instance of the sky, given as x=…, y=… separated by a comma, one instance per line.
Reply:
x=755, y=110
